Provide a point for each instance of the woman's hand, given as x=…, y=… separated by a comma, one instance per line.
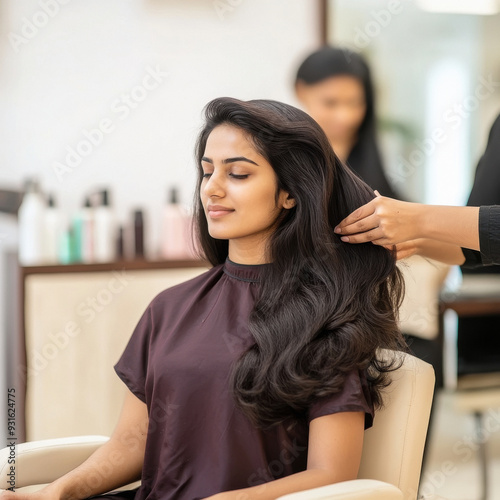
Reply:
x=43, y=494
x=383, y=221
x=9, y=495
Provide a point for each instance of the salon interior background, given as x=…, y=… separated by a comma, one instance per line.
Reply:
x=73, y=71
x=140, y=71
x=437, y=77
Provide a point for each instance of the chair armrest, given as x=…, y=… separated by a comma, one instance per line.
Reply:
x=357, y=489
x=41, y=462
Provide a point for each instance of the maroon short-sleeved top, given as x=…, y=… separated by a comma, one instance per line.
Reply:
x=178, y=362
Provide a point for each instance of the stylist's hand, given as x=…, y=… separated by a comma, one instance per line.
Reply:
x=383, y=221
x=405, y=249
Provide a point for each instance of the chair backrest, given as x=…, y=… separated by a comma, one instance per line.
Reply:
x=419, y=311
x=393, y=447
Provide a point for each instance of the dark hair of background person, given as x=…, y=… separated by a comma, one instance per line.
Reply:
x=364, y=158
x=324, y=307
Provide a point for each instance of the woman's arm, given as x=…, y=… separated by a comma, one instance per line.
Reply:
x=334, y=455
x=385, y=221
x=117, y=463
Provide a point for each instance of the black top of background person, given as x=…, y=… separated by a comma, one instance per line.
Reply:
x=364, y=158
x=486, y=191
x=486, y=188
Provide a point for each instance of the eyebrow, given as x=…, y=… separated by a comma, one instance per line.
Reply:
x=231, y=160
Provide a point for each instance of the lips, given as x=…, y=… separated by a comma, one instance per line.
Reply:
x=216, y=211
x=219, y=208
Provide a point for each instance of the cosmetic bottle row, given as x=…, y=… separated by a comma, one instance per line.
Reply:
x=93, y=235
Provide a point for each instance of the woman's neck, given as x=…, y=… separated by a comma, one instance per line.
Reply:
x=247, y=253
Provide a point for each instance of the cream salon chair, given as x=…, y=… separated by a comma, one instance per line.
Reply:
x=390, y=464
x=42, y=460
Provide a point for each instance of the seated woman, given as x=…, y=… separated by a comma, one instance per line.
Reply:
x=258, y=377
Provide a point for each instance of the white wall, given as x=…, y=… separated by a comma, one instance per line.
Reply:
x=72, y=71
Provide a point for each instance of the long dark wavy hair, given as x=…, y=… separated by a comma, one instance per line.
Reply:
x=324, y=307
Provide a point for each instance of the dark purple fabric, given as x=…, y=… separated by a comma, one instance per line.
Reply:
x=178, y=362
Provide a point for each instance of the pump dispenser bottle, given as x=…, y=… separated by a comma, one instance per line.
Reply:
x=31, y=224
x=104, y=230
x=52, y=232
x=175, y=228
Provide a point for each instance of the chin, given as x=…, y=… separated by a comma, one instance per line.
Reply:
x=220, y=234
x=225, y=234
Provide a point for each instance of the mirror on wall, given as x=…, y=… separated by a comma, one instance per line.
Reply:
x=436, y=69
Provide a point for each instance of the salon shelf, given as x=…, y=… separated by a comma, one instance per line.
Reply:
x=115, y=265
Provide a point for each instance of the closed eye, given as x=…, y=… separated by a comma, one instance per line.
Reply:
x=235, y=176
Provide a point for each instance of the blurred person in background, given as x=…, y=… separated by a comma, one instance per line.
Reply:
x=334, y=85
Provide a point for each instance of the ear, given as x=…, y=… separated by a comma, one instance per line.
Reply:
x=289, y=202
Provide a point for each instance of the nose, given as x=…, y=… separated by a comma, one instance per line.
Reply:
x=213, y=186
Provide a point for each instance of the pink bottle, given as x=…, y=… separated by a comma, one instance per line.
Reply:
x=176, y=226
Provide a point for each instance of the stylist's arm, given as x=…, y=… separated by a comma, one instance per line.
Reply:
x=433, y=231
x=385, y=221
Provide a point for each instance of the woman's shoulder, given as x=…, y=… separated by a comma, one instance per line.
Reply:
x=180, y=292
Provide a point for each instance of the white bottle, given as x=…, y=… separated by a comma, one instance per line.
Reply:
x=31, y=225
x=104, y=230
x=175, y=228
x=52, y=232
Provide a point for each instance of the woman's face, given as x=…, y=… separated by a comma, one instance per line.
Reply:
x=338, y=104
x=242, y=183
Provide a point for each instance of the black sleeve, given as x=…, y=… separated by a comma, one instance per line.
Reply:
x=489, y=234
x=489, y=240
x=472, y=258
